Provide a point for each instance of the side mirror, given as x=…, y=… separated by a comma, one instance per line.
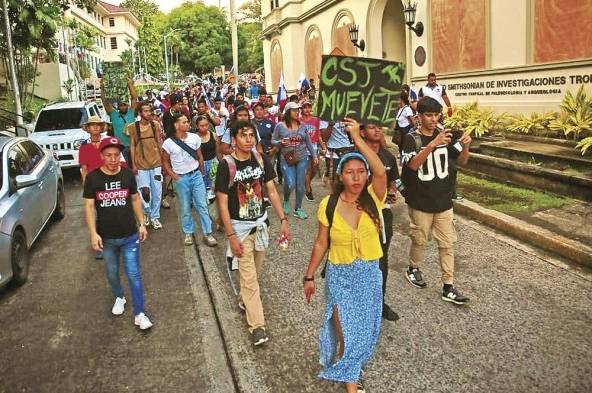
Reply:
x=23, y=181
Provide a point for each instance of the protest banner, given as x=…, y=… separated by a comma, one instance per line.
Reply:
x=361, y=88
x=115, y=80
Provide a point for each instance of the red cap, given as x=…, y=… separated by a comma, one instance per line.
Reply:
x=109, y=142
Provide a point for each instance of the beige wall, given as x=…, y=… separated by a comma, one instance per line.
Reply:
x=509, y=33
x=508, y=42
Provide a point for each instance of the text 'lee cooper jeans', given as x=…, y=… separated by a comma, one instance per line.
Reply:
x=191, y=188
x=129, y=250
x=151, y=179
x=294, y=178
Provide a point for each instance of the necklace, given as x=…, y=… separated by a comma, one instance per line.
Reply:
x=346, y=201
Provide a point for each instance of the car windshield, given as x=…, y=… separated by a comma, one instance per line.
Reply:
x=59, y=119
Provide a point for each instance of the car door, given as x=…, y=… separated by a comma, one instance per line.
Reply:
x=24, y=202
x=42, y=166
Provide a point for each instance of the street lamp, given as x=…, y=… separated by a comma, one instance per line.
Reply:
x=353, y=37
x=166, y=58
x=409, y=10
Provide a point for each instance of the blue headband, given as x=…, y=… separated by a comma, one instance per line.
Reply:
x=350, y=156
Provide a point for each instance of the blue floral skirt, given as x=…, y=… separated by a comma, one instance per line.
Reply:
x=356, y=292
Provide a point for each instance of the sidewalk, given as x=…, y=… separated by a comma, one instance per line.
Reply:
x=526, y=329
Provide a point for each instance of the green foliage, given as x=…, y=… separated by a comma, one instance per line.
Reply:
x=585, y=144
x=204, y=30
x=474, y=120
x=150, y=33
x=68, y=85
x=250, y=51
x=250, y=11
x=575, y=119
x=534, y=124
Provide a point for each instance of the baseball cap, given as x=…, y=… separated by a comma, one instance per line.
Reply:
x=110, y=142
x=291, y=105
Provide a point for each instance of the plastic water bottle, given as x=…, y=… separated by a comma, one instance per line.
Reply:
x=400, y=185
x=283, y=242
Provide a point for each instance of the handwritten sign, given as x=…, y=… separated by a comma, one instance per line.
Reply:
x=114, y=78
x=361, y=88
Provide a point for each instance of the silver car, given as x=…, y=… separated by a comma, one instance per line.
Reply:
x=31, y=193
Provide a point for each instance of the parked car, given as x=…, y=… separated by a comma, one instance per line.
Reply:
x=58, y=128
x=31, y=193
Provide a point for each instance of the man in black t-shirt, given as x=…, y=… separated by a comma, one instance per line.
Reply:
x=240, y=181
x=426, y=175
x=113, y=210
x=373, y=136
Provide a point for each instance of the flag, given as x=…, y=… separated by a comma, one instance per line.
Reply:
x=301, y=80
x=282, y=95
x=208, y=101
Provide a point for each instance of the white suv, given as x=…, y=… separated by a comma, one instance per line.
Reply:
x=58, y=128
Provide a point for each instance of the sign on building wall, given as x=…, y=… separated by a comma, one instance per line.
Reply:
x=361, y=88
x=524, y=92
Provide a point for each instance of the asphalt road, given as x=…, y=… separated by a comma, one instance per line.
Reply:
x=58, y=333
x=527, y=328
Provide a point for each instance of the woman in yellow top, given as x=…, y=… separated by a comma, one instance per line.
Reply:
x=353, y=290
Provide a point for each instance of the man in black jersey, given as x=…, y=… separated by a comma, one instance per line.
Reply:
x=426, y=161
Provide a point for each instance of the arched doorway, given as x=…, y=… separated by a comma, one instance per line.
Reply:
x=340, y=33
x=386, y=30
x=313, y=48
x=277, y=61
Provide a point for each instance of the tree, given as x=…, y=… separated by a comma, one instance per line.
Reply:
x=250, y=12
x=250, y=50
x=205, y=33
x=150, y=33
x=33, y=24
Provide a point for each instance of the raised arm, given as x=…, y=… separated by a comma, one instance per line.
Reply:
x=133, y=94
x=376, y=166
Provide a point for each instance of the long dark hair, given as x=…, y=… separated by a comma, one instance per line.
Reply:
x=364, y=202
x=232, y=118
x=288, y=119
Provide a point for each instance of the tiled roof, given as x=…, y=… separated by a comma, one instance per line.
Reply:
x=113, y=8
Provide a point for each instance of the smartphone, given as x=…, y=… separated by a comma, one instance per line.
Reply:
x=457, y=134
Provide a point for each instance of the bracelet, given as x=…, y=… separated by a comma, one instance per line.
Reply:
x=284, y=218
x=305, y=279
x=231, y=234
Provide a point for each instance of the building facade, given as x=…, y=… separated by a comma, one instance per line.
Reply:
x=117, y=31
x=510, y=55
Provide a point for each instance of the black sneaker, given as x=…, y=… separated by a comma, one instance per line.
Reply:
x=259, y=336
x=454, y=296
x=388, y=313
x=414, y=277
x=309, y=196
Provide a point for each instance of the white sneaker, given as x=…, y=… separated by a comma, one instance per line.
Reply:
x=143, y=321
x=119, y=306
x=155, y=223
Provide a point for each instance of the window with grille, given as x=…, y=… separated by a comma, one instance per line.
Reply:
x=113, y=42
x=111, y=22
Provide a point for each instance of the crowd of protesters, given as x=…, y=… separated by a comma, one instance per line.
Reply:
x=223, y=149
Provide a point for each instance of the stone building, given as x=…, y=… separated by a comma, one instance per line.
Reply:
x=511, y=55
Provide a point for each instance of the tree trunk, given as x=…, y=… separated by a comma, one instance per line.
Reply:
x=34, y=77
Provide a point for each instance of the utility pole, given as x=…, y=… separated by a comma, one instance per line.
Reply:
x=233, y=29
x=166, y=59
x=15, y=86
x=145, y=61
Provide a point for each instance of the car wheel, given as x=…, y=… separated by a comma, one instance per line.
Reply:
x=60, y=209
x=19, y=258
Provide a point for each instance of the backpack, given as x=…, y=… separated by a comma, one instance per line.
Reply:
x=232, y=165
x=138, y=134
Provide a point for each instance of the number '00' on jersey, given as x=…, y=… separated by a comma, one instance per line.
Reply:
x=435, y=166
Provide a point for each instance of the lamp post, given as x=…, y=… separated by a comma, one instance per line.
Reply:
x=166, y=58
x=353, y=37
x=409, y=10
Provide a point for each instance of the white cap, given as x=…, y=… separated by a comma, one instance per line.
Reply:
x=291, y=105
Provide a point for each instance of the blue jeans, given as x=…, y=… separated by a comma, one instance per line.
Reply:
x=129, y=249
x=294, y=178
x=152, y=180
x=191, y=188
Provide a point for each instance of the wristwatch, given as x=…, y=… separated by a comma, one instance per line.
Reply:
x=305, y=279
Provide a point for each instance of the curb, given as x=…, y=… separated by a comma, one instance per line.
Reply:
x=240, y=352
x=530, y=233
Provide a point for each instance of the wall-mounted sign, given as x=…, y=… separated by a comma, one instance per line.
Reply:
x=358, y=87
